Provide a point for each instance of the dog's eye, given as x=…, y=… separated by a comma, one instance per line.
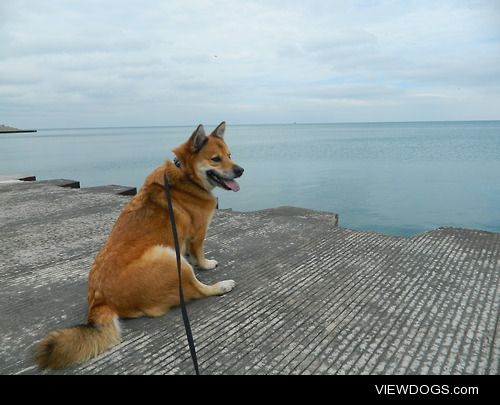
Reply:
x=216, y=159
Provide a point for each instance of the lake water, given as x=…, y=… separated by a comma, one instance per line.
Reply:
x=395, y=178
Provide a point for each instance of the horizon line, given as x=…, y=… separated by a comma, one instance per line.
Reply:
x=276, y=123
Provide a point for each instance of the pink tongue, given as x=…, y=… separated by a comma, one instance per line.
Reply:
x=232, y=185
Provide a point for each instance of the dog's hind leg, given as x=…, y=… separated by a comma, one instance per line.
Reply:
x=193, y=288
x=153, y=286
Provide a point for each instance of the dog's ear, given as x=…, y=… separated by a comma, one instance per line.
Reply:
x=219, y=131
x=198, y=139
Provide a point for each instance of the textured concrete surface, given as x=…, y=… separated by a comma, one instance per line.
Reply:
x=311, y=297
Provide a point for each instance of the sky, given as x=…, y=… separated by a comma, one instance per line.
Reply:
x=92, y=63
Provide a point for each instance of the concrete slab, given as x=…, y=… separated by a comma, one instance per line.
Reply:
x=61, y=183
x=16, y=177
x=311, y=297
x=113, y=189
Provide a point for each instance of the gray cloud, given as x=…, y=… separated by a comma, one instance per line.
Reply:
x=92, y=63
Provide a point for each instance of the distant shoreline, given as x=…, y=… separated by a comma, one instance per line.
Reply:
x=4, y=129
x=18, y=131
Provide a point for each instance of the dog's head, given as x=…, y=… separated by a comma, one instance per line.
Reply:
x=206, y=159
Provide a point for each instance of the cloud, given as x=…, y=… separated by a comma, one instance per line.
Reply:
x=89, y=63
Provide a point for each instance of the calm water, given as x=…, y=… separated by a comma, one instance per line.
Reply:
x=396, y=178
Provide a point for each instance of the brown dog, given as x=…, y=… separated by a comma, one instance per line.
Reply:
x=135, y=272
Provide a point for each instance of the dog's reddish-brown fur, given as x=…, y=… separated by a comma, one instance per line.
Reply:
x=135, y=273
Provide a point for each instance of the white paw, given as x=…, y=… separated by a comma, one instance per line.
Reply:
x=209, y=264
x=226, y=285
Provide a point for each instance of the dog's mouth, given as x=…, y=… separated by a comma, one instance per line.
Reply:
x=226, y=184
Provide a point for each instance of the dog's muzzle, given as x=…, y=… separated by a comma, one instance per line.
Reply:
x=224, y=182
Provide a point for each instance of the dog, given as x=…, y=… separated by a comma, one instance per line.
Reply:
x=135, y=272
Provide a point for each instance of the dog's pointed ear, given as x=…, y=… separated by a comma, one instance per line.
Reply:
x=198, y=139
x=219, y=131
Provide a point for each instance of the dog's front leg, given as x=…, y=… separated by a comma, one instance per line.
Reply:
x=197, y=251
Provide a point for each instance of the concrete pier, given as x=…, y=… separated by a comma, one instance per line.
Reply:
x=4, y=129
x=311, y=297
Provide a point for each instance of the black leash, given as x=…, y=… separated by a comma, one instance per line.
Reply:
x=185, y=317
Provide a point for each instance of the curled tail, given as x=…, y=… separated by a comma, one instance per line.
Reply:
x=64, y=347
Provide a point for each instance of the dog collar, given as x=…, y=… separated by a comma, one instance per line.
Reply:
x=177, y=162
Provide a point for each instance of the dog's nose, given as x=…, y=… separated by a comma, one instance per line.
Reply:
x=238, y=171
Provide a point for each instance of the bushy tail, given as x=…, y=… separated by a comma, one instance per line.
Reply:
x=64, y=347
